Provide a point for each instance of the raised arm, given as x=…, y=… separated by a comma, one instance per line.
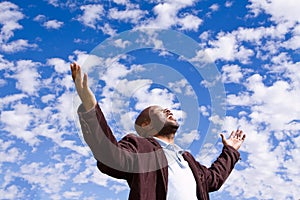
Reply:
x=97, y=133
x=86, y=95
x=222, y=167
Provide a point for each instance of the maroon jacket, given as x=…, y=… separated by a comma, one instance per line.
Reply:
x=142, y=163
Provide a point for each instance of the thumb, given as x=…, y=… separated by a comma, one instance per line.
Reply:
x=223, y=137
x=85, y=80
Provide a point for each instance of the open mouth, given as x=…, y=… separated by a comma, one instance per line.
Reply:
x=170, y=116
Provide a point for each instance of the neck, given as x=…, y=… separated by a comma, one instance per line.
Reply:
x=169, y=138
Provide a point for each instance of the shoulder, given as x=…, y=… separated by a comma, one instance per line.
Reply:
x=142, y=144
x=131, y=137
x=189, y=157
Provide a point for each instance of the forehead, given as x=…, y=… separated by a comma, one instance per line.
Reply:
x=156, y=108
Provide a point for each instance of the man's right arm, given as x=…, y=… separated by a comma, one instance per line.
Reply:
x=95, y=129
x=102, y=142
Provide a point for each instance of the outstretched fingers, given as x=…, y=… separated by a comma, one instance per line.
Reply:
x=232, y=134
x=240, y=135
x=235, y=139
x=73, y=70
x=243, y=136
x=76, y=75
x=76, y=71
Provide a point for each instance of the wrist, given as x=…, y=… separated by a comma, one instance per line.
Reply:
x=88, y=105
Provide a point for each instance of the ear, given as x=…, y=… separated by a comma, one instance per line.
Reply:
x=145, y=130
x=145, y=123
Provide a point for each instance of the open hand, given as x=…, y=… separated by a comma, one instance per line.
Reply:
x=86, y=95
x=235, y=139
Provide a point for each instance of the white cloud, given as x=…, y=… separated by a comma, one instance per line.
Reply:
x=228, y=4
x=91, y=174
x=107, y=29
x=122, y=44
x=79, y=40
x=185, y=139
x=294, y=42
x=39, y=18
x=48, y=24
x=5, y=64
x=87, y=61
x=121, y=2
x=279, y=103
x=54, y=175
x=214, y=7
x=92, y=14
x=17, y=45
x=119, y=188
x=182, y=86
x=53, y=2
x=280, y=11
x=71, y=4
x=64, y=108
x=231, y=74
x=11, y=99
x=256, y=34
x=114, y=73
x=47, y=98
x=127, y=121
x=283, y=64
x=275, y=105
x=53, y=24
x=241, y=99
x=204, y=36
x=73, y=194
x=11, y=192
x=127, y=88
x=2, y=82
x=9, y=16
x=231, y=46
x=158, y=96
x=9, y=153
x=204, y=111
x=27, y=76
x=208, y=154
x=60, y=65
x=132, y=15
x=167, y=16
x=189, y=22
x=226, y=47
x=17, y=122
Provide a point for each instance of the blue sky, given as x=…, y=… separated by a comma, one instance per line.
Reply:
x=253, y=82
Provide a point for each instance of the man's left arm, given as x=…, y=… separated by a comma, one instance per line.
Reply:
x=222, y=167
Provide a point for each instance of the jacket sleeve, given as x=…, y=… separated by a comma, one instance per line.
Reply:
x=107, y=151
x=219, y=171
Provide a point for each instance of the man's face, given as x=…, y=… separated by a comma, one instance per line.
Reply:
x=163, y=120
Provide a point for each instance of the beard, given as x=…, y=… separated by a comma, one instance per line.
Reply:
x=168, y=128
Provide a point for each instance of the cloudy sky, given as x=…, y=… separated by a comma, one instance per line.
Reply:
x=251, y=80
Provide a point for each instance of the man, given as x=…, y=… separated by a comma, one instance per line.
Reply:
x=154, y=167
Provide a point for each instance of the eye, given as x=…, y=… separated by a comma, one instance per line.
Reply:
x=166, y=110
